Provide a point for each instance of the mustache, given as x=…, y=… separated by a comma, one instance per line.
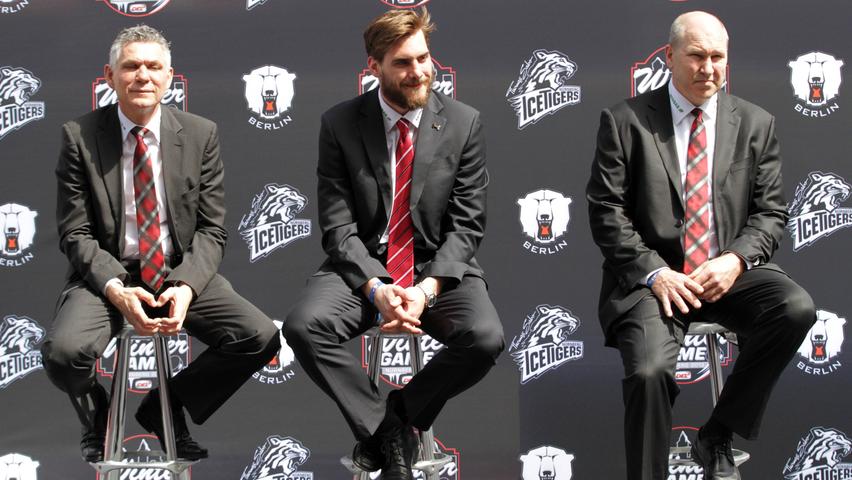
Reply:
x=424, y=80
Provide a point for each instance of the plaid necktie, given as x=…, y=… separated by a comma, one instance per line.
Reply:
x=696, y=237
x=400, y=262
x=151, y=260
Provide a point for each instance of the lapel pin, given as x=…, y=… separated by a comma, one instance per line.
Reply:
x=436, y=126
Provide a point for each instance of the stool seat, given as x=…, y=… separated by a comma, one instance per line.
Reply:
x=683, y=456
x=702, y=328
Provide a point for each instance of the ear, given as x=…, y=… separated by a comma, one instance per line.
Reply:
x=108, y=75
x=669, y=54
x=540, y=54
x=375, y=66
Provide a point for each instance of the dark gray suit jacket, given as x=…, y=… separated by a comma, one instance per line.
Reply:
x=449, y=183
x=635, y=194
x=89, y=211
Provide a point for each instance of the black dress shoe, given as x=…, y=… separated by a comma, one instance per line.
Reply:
x=367, y=456
x=92, y=408
x=92, y=445
x=399, y=447
x=716, y=458
x=150, y=418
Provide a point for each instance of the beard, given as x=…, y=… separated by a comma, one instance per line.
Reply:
x=405, y=95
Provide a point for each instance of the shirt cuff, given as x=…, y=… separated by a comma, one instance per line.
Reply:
x=115, y=280
x=748, y=264
x=651, y=274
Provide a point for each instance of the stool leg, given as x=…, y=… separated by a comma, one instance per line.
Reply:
x=715, y=367
x=118, y=403
x=164, y=372
x=376, y=347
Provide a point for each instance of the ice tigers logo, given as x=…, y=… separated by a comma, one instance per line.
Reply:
x=541, y=89
x=17, y=232
x=15, y=466
x=136, y=8
x=13, y=6
x=272, y=222
x=821, y=346
x=19, y=355
x=818, y=455
x=544, y=341
x=544, y=219
x=815, y=212
x=279, y=458
x=547, y=463
x=17, y=86
x=269, y=94
x=816, y=79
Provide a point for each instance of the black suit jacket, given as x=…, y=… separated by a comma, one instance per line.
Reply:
x=90, y=208
x=448, y=190
x=635, y=194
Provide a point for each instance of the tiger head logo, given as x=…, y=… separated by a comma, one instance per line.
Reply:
x=544, y=69
x=821, y=446
x=17, y=85
x=275, y=201
x=19, y=335
x=279, y=457
x=820, y=191
x=547, y=323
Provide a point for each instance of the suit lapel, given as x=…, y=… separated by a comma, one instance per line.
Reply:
x=171, y=153
x=428, y=137
x=109, y=162
x=660, y=119
x=727, y=128
x=372, y=128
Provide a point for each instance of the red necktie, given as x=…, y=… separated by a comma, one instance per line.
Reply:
x=151, y=260
x=696, y=237
x=400, y=262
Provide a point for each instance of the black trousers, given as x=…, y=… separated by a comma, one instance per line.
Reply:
x=240, y=339
x=329, y=313
x=770, y=314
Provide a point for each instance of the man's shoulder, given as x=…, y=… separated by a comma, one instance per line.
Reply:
x=453, y=107
x=745, y=108
x=90, y=121
x=187, y=119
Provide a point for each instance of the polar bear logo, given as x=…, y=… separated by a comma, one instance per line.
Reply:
x=544, y=215
x=269, y=91
x=824, y=339
x=815, y=77
x=547, y=463
x=15, y=466
x=17, y=229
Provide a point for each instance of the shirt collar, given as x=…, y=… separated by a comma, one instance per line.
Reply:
x=127, y=125
x=391, y=116
x=682, y=108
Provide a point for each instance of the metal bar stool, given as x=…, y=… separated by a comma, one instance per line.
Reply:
x=711, y=331
x=115, y=459
x=429, y=461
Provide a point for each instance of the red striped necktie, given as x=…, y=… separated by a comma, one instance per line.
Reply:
x=696, y=237
x=400, y=262
x=151, y=259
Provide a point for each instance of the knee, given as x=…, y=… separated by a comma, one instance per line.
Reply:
x=65, y=361
x=487, y=343
x=300, y=322
x=269, y=337
x=651, y=372
x=799, y=311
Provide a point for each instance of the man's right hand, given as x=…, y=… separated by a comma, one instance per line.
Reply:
x=390, y=300
x=128, y=301
x=674, y=287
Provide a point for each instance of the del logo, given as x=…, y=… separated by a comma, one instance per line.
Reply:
x=547, y=463
x=444, y=79
x=682, y=443
x=653, y=73
x=142, y=362
x=818, y=456
x=19, y=356
x=136, y=8
x=279, y=458
x=395, y=357
x=14, y=466
x=405, y=3
x=693, y=360
x=544, y=218
x=272, y=223
x=280, y=368
x=544, y=344
x=103, y=95
x=448, y=471
x=541, y=88
x=17, y=85
x=137, y=449
x=269, y=94
x=816, y=83
x=814, y=212
x=13, y=6
x=17, y=230
x=821, y=346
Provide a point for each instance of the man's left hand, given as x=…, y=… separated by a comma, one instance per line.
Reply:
x=178, y=297
x=718, y=275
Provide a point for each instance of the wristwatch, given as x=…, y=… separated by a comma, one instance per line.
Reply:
x=431, y=298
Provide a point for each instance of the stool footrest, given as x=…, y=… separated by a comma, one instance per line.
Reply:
x=176, y=466
x=425, y=466
x=683, y=456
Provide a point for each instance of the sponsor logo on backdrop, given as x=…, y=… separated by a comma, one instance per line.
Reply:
x=254, y=3
x=142, y=364
x=544, y=219
x=19, y=355
x=17, y=231
x=822, y=345
x=547, y=463
x=269, y=94
x=544, y=343
x=445, y=80
x=693, y=360
x=272, y=223
x=395, y=358
x=136, y=8
x=683, y=440
x=814, y=212
x=12, y=6
x=280, y=368
x=405, y=3
x=103, y=94
x=449, y=471
x=137, y=449
x=17, y=86
x=653, y=73
x=816, y=83
x=819, y=455
x=14, y=466
x=541, y=88
x=279, y=458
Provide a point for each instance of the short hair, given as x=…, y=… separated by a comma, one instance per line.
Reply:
x=388, y=28
x=140, y=33
x=678, y=28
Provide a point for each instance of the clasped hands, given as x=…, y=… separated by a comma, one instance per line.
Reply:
x=709, y=282
x=129, y=301
x=400, y=308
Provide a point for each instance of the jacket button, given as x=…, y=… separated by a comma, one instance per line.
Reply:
x=679, y=223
